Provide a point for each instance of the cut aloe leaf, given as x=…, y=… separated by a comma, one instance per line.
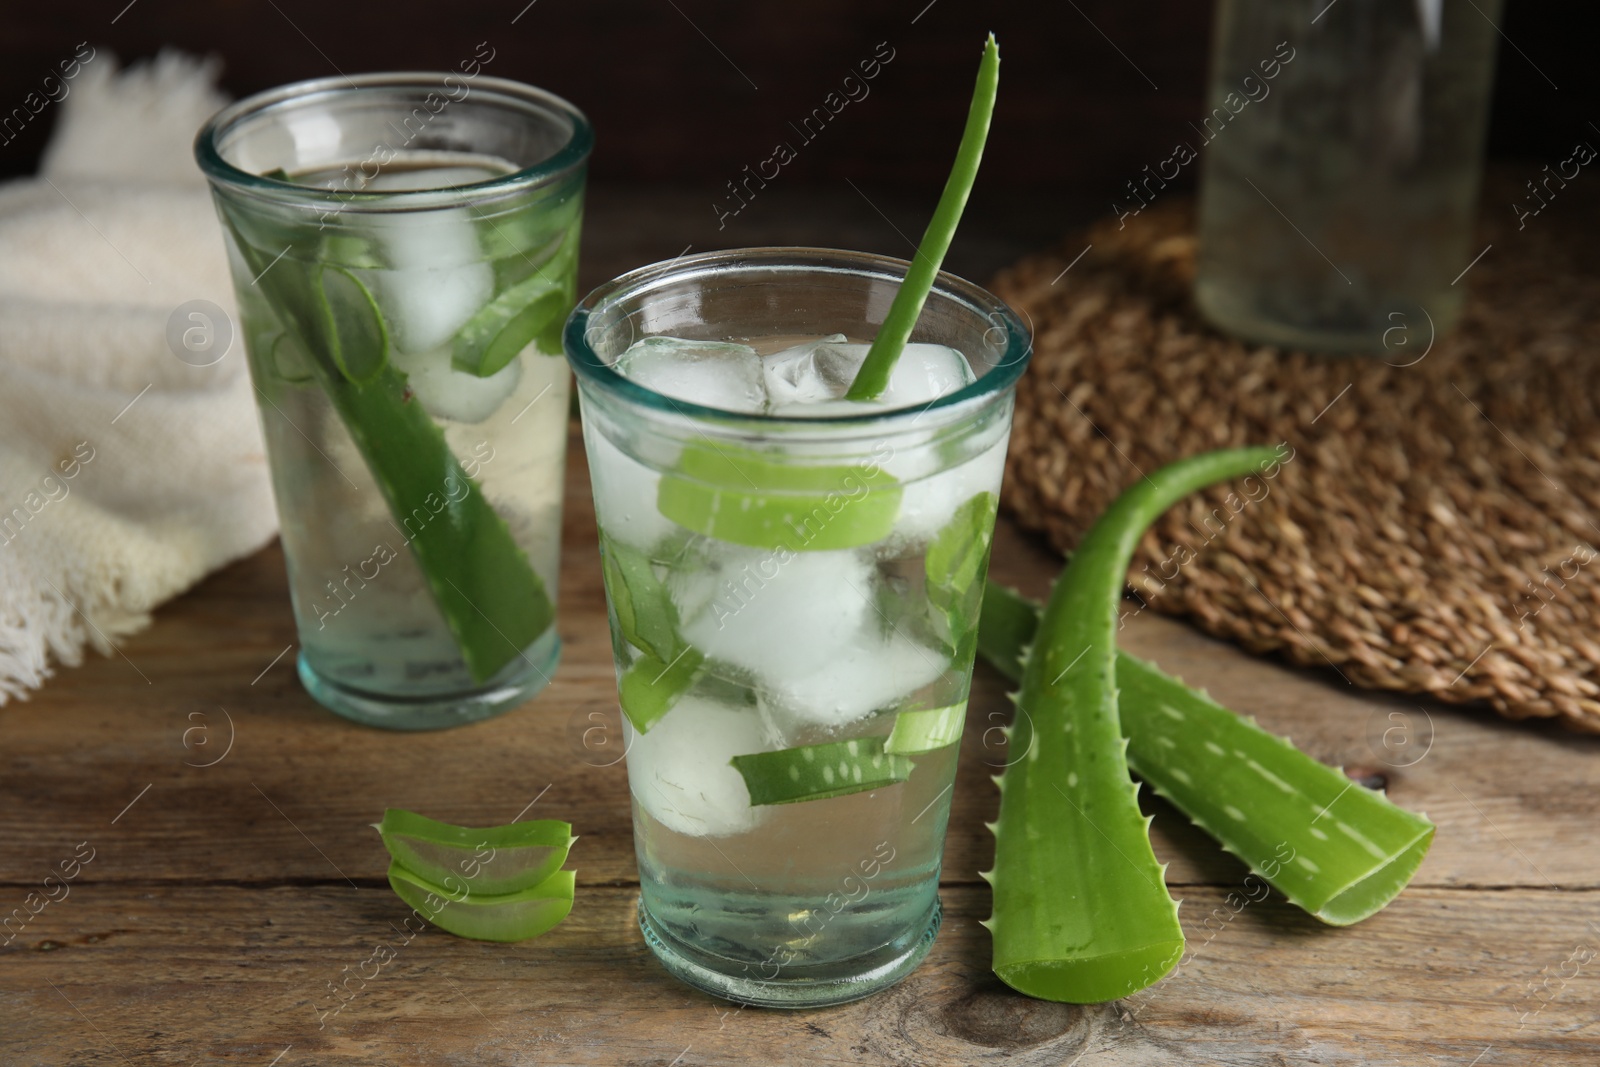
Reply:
x=506, y=325
x=817, y=772
x=278, y=174
x=493, y=860
x=357, y=340
x=507, y=917
x=956, y=563
x=904, y=310
x=488, y=593
x=667, y=665
x=1338, y=850
x=649, y=687
x=759, y=500
x=290, y=361
x=519, y=243
x=926, y=730
x=644, y=609
x=1081, y=913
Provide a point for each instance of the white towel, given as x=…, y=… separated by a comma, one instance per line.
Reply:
x=126, y=474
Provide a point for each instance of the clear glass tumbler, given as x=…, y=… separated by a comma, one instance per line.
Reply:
x=1341, y=156
x=793, y=607
x=404, y=251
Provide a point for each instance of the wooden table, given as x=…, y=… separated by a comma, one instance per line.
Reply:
x=234, y=880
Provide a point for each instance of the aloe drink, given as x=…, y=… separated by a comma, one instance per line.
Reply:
x=401, y=309
x=794, y=582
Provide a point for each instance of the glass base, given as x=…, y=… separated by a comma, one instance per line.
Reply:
x=440, y=710
x=1401, y=336
x=811, y=986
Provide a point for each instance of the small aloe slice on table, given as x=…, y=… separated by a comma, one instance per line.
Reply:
x=1081, y=913
x=497, y=883
x=517, y=916
x=494, y=860
x=1350, y=850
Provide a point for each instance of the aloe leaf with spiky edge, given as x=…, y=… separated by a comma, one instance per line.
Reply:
x=1081, y=913
x=1350, y=851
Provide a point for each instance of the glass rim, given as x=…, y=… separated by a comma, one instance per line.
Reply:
x=572, y=155
x=591, y=368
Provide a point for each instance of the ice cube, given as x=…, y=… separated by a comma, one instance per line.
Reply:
x=870, y=673
x=807, y=627
x=679, y=771
x=446, y=393
x=624, y=494
x=923, y=372
x=820, y=374
x=792, y=375
x=928, y=501
x=436, y=278
x=775, y=613
x=712, y=373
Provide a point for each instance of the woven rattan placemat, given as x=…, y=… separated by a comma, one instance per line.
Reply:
x=1435, y=529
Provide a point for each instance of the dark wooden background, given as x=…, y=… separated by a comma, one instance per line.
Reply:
x=684, y=93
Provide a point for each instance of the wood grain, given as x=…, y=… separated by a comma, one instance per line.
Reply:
x=222, y=900
x=239, y=974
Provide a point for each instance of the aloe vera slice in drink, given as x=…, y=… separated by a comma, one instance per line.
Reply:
x=1350, y=850
x=817, y=772
x=289, y=360
x=926, y=730
x=352, y=328
x=644, y=609
x=649, y=687
x=505, y=325
x=735, y=494
x=493, y=860
x=506, y=917
x=906, y=307
x=955, y=565
x=487, y=591
x=1081, y=913
x=667, y=664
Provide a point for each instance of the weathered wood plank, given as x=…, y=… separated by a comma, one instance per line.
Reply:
x=182, y=973
x=1516, y=804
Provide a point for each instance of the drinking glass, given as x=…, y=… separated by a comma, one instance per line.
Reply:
x=1341, y=159
x=404, y=251
x=793, y=607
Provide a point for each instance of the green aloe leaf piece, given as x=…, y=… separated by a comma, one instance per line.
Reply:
x=1081, y=913
x=491, y=861
x=926, y=730
x=650, y=687
x=644, y=609
x=505, y=325
x=487, y=591
x=507, y=917
x=956, y=563
x=817, y=772
x=290, y=361
x=906, y=307
x=648, y=620
x=1334, y=848
x=354, y=334
x=762, y=500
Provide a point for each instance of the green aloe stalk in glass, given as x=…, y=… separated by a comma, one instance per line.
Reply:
x=401, y=295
